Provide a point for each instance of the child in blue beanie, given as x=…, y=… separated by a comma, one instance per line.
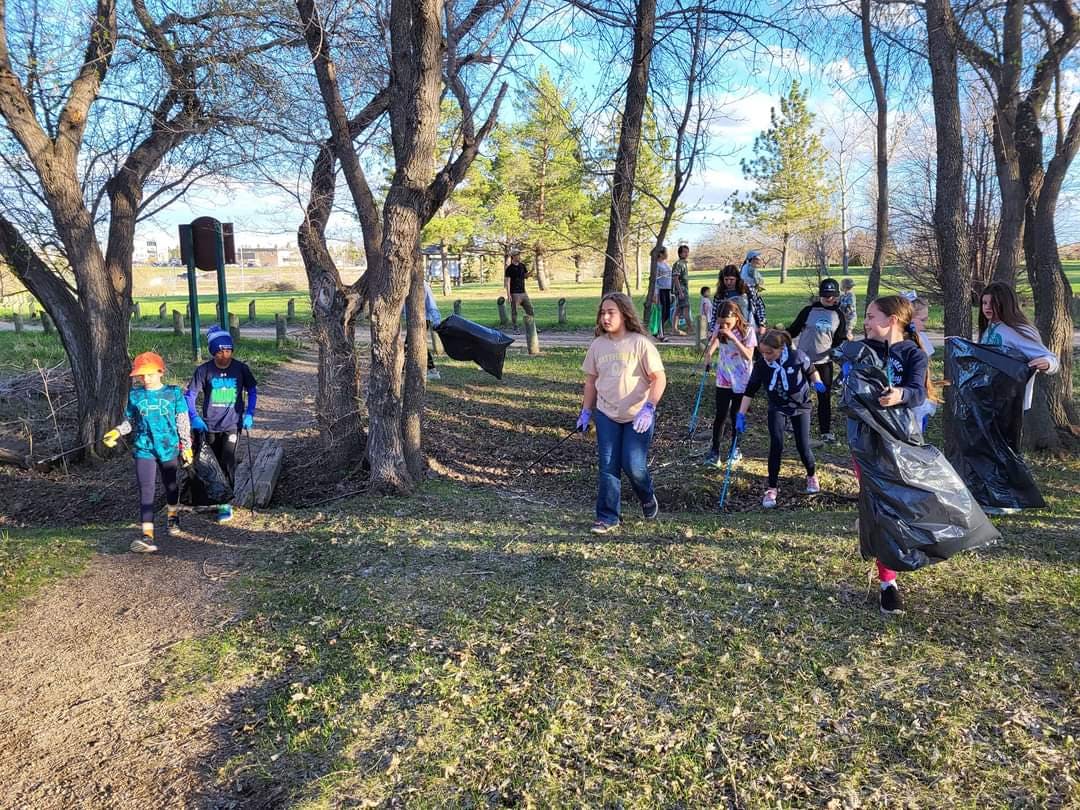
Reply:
x=223, y=382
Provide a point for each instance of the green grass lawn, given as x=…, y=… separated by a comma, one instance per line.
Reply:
x=18, y=352
x=30, y=559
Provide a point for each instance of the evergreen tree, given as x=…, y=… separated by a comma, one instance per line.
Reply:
x=791, y=194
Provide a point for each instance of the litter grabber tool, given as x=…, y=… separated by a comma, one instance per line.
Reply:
x=548, y=452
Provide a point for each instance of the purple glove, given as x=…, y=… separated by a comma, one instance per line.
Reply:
x=819, y=386
x=583, y=420
x=645, y=418
x=740, y=422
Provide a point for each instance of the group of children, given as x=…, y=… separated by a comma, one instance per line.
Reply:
x=161, y=420
x=624, y=379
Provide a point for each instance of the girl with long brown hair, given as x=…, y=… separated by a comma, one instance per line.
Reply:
x=624, y=381
x=736, y=341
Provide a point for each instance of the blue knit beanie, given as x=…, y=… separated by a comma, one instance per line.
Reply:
x=218, y=339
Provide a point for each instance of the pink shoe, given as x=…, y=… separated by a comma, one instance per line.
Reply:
x=812, y=485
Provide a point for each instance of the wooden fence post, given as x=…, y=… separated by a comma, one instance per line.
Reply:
x=280, y=330
x=562, y=310
x=457, y=306
x=702, y=333
x=163, y=311
x=234, y=325
x=532, y=339
x=136, y=311
x=504, y=319
x=251, y=311
x=18, y=322
x=291, y=313
x=46, y=323
x=177, y=323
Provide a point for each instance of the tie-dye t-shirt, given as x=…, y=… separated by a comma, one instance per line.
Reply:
x=732, y=369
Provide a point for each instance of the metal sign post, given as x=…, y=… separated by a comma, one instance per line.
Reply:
x=187, y=248
x=219, y=260
x=207, y=244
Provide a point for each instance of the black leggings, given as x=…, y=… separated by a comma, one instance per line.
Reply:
x=824, y=401
x=224, y=446
x=146, y=470
x=727, y=405
x=800, y=422
x=663, y=298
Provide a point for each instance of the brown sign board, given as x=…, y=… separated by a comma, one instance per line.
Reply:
x=204, y=237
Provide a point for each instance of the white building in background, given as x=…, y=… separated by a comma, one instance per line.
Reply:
x=147, y=252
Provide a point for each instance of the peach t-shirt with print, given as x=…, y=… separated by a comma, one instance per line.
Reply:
x=623, y=368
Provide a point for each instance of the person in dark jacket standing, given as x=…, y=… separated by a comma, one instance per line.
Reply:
x=820, y=328
x=223, y=383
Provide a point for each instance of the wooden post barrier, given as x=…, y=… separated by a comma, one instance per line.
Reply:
x=177, y=323
x=163, y=311
x=18, y=322
x=457, y=306
x=562, y=310
x=47, y=323
x=280, y=330
x=532, y=339
x=136, y=311
x=504, y=319
x=702, y=333
x=251, y=311
x=436, y=343
x=290, y=314
x=234, y=325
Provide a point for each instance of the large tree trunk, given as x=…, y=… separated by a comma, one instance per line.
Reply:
x=622, y=187
x=339, y=406
x=783, y=257
x=416, y=349
x=881, y=162
x=950, y=220
x=1010, y=229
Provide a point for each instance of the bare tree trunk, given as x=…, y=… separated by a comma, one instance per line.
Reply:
x=783, y=258
x=447, y=285
x=339, y=404
x=950, y=220
x=629, y=142
x=579, y=274
x=1011, y=222
x=881, y=129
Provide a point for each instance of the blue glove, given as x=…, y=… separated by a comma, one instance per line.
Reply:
x=583, y=420
x=819, y=386
x=248, y=421
x=740, y=422
x=845, y=370
x=645, y=418
x=198, y=423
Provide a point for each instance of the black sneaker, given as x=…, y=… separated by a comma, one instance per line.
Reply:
x=599, y=527
x=891, y=603
x=651, y=510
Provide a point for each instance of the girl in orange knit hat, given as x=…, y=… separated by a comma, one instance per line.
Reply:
x=157, y=420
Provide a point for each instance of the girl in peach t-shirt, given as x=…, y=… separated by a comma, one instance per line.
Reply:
x=624, y=380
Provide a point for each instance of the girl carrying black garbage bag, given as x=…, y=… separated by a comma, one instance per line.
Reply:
x=913, y=507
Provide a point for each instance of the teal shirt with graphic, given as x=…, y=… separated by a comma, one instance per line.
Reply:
x=152, y=416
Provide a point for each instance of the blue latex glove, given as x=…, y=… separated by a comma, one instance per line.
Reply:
x=198, y=423
x=645, y=417
x=819, y=386
x=740, y=422
x=583, y=420
x=248, y=421
x=845, y=370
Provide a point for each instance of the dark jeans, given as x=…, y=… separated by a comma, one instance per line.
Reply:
x=619, y=449
x=663, y=299
x=146, y=470
x=800, y=422
x=824, y=401
x=727, y=405
x=224, y=446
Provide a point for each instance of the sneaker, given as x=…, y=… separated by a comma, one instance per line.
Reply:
x=891, y=603
x=812, y=485
x=1000, y=510
x=599, y=527
x=224, y=513
x=828, y=438
x=144, y=545
x=434, y=374
x=651, y=510
x=712, y=459
x=173, y=525
x=769, y=501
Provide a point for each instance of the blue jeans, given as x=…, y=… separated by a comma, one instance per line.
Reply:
x=620, y=449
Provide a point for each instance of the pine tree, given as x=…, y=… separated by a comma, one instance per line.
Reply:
x=791, y=194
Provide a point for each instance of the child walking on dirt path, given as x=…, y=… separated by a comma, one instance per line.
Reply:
x=820, y=328
x=223, y=382
x=735, y=339
x=681, y=273
x=787, y=375
x=157, y=419
x=624, y=381
x=662, y=290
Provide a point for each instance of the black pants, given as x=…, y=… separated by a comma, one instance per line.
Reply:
x=800, y=422
x=824, y=401
x=224, y=446
x=146, y=470
x=663, y=298
x=727, y=405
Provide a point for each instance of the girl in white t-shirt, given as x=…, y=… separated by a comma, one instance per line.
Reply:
x=624, y=380
x=735, y=339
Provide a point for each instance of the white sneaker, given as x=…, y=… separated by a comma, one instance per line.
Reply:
x=142, y=546
x=769, y=501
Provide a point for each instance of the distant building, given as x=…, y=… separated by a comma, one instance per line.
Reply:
x=263, y=256
x=146, y=252
x=432, y=257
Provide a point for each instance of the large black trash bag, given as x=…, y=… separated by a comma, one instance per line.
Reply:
x=466, y=340
x=205, y=483
x=914, y=510
x=989, y=385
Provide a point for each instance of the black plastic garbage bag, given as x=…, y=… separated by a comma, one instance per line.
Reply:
x=466, y=340
x=205, y=483
x=989, y=385
x=914, y=509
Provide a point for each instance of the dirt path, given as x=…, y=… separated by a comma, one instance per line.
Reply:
x=80, y=725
